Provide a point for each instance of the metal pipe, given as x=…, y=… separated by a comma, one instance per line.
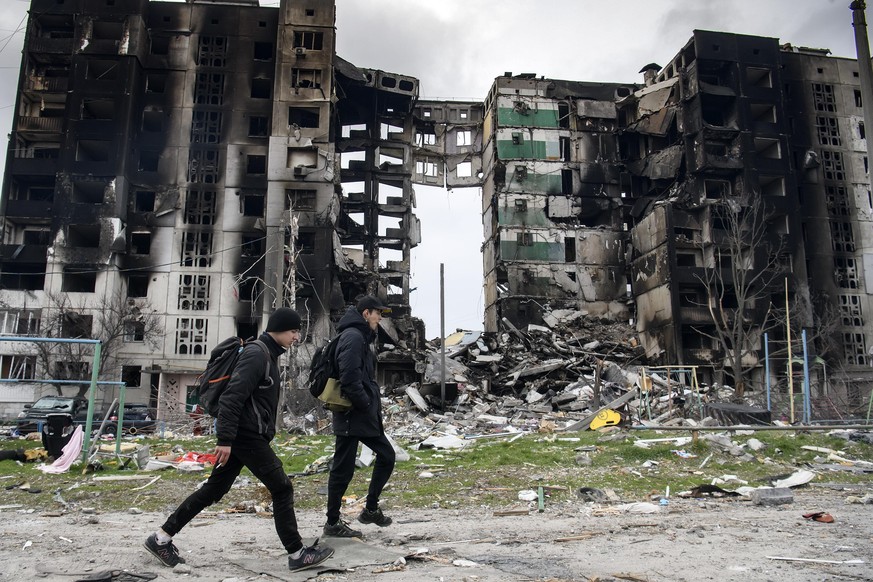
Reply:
x=790, y=363
x=443, y=335
x=807, y=406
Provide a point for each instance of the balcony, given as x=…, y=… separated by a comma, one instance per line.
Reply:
x=23, y=253
x=62, y=46
x=29, y=209
x=46, y=84
x=40, y=124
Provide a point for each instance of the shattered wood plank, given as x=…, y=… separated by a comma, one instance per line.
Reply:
x=509, y=512
x=586, y=422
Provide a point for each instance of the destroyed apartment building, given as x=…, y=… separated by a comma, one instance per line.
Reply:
x=196, y=164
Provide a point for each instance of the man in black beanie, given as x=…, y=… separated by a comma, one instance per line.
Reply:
x=356, y=363
x=246, y=425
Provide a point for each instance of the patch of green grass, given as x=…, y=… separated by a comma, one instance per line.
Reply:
x=489, y=472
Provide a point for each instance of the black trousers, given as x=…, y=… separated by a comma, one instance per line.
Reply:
x=343, y=470
x=260, y=459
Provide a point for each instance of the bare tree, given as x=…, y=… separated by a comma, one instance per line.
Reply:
x=745, y=264
x=112, y=319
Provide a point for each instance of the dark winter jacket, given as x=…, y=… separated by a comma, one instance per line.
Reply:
x=247, y=408
x=356, y=363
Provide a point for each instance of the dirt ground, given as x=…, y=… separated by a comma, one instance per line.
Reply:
x=688, y=540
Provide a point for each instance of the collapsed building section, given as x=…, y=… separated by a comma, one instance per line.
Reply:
x=553, y=208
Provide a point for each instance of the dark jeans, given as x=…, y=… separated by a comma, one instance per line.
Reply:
x=266, y=466
x=343, y=470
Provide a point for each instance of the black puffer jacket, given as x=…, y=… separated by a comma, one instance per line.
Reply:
x=356, y=362
x=247, y=408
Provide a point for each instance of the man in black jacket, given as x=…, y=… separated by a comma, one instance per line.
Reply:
x=356, y=363
x=246, y=425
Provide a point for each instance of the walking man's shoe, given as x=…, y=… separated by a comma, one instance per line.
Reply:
x=376, y=517
x=167, y=553
x=341, y=530
x=312, y=556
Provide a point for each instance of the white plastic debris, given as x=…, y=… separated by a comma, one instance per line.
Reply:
x=801, y=477
x=527, y=495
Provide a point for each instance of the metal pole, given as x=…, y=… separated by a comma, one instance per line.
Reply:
x=807, y=407
x=767, y=367
x=443, y=335
x=790, y=363
x=95, y=365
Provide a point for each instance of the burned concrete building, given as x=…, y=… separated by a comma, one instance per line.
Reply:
x=749, y=195
x=197, y=164
x=197, y=160
x=553, y=211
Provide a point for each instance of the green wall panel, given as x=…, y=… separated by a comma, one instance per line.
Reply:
x=541, y=118
x=539, y=251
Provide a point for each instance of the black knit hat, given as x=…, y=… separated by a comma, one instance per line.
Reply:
x=283, y=319
x=370, y=302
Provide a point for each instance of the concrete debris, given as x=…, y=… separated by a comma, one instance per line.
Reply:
x=772, y=496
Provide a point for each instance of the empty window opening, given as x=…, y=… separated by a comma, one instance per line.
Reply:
x=194, y=292
x=303, y=116
x=297, y=199
x=22, y=276
x=138, y=285
x=93, y=150
x=763, y=112
x=88, y=192
x=98, y=109
x=261, y=88
x=759, y=77
x=423, y=138
x=567, y=181
x=310, y=12
x=258, y=126
x=686, y=259
x=858, y=102
x=256, y=164
x=253, y=204
x=768, y=148
x=563, y=115
x=83, y=235
x=570, y=249
x=263, y=51
x=156, y=83
x=862, y=134
x=153, y=121
x=248, y=289
x=517, y=138
x=252, y=245
x=131, y=376
x=464, y=170
x=772, y=185
x=426, y=168
x=79, y=280
x=192, y=335
x=36, y=236
x=463, y=138
x=200, y=206
x=305, y=243
x=148, y=161
x=388, y=131
x=141, y=243
x=356, y=130
x=313, y=41
x=566, y=148
x=196, y=249
x=160, y=45
x=306, y=78
x=520, y=205
x=134, y=331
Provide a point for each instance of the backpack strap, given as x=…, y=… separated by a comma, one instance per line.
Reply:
x=266, y=351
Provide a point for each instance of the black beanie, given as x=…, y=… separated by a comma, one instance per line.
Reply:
x=283, y=319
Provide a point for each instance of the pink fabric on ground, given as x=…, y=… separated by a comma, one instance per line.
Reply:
x=69, y=454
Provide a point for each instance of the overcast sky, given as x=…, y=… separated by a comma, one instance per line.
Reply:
x=457, y=47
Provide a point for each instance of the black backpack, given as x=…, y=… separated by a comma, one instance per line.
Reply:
x=212, y=383
x=322, y=367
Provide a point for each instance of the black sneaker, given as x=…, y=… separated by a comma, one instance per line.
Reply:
x=341, y=530
x=312, y=556
x=167, y=553
x=376, y=517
